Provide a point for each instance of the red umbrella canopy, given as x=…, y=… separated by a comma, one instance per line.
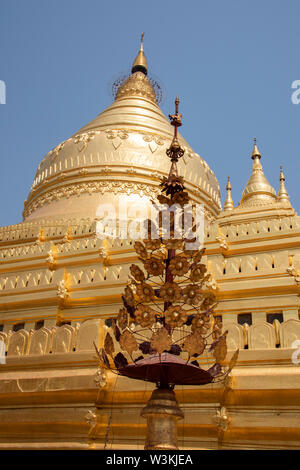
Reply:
x=166, y=369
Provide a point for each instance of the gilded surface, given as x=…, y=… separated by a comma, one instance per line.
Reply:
x=53, y=268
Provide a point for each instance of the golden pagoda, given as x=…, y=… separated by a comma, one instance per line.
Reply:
x=61, y=284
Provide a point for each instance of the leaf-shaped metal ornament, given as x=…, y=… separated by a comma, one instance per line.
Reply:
x=102, y=358
x=220, y=350
x=213, y=345
x=161, y=340
x=120, y=361
x=130, y=309
x=122, y=319
x=197, y=257
x=109, y=345
x=233, y=360
x=128, y=342
x=194, y=344
x=117, y=332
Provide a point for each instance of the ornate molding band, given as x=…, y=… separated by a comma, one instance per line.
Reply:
x=96, y=186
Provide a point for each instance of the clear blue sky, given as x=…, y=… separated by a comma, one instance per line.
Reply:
x=231, y=62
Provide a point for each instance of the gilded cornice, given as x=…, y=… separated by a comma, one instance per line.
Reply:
x=115, y=183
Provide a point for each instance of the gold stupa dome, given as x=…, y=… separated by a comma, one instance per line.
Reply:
x=119, y=154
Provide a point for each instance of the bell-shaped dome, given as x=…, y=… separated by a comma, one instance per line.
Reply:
x=121, y=153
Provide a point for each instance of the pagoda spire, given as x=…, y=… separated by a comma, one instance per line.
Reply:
x=258, y=191
x=140, y=62
x=174, y=183
x=255, y=151
x=228, y=205
x=175, y=152
x=137, y=84
x=283, y=195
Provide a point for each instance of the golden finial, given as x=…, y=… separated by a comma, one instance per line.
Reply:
x=258, y=191
x=255, y=151
x=175, y=151
x=140, y=62
x=228, y=205
x=283, y=195
x=228, y=186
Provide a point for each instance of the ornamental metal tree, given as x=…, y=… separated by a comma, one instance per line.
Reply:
x=167, y=320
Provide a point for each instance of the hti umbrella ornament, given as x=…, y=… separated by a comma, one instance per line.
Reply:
x=166, y=329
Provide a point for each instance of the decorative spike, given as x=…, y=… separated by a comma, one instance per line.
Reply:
x=228, y=205
x=175, y=151
x=140, y=62
x=283, y=195
x=255, y=151
x=174, y=183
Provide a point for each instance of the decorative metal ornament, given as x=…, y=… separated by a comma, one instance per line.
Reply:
x=192, y=294
x=128, y=342
x=198, y=272
x=145, y=292
x=141, y=250
x=220, y=350
x=175, y=316
x=152, y=245
x=161, y=341
x=109, y=345
x=137, y=273
x=194, y=344
x=233, y=360
x=179, y=266
x=144, y=316
x=169, y=312
x=170, y=292
x=154, y=266
x=122, y=319
x=129, y=296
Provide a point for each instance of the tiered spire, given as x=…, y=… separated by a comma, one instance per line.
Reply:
x=138, y=84
x=255, y=151
x=282, y=193
x=174, y=182
x=258, y=191
x=228, y=205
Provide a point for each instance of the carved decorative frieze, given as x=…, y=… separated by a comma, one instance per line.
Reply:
x=153, y=141
x=84, y=139
x=116, y=137
x=95, y=186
